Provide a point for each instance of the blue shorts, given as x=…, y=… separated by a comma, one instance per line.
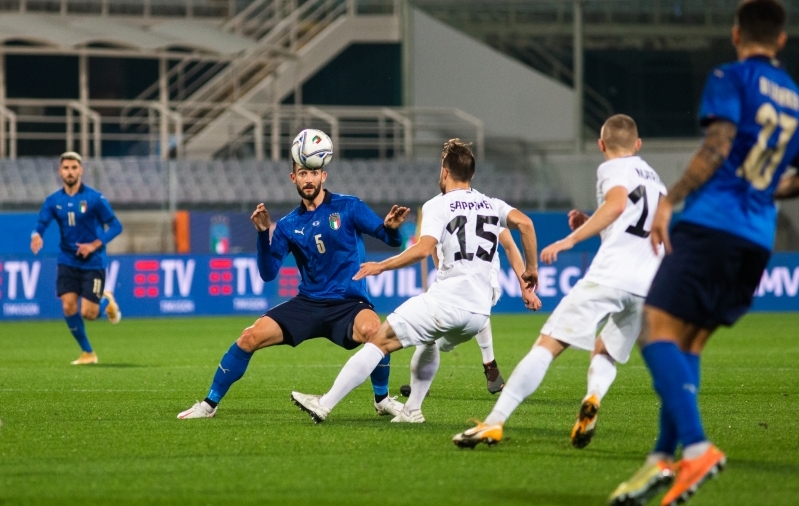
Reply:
x=303, y=318
x=88, y=284
x=710, y=278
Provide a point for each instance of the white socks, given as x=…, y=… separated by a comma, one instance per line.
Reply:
x=525, y=380
x=424, y=365
x=600, y=375
x=486, y=342
x=354, y=372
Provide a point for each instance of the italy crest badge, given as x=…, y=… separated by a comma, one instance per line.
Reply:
x=335, y=221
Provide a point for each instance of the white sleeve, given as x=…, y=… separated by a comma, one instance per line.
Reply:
x=434, y=219
x=503, y=210
x=610, y=177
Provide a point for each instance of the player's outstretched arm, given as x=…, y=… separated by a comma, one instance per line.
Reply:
x=45, y=217
x=386, y=230
x=521, y=222
x=607, y=213
x=270, y=252
x=715, y=148
x=530, y=299
x=416, y=253
x=36, y=243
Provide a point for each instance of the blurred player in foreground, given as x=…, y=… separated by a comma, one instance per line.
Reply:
x=456, y=307
x=718, y=250
x=82, y=214
x=613, y=288
x=325, y=236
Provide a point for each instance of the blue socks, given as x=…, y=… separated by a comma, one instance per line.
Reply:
x=667, y=437
x=229, y=371
x=675, y=378
x=379, y=378
x=103, y=305
x=75, y=324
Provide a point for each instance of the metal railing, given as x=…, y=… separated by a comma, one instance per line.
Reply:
x=220, y=9
x=282, y=27
x=596, y=12
x=162, y=129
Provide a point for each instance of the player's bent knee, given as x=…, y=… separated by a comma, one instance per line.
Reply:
x=89, y=313
x=265, y=332
x=70, y=308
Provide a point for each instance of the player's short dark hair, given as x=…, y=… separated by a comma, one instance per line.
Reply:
x=619, y=132
x=760, y=21
x=458, y=159
x=70, y=155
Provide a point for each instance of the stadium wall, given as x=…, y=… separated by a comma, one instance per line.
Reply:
x=450, y=69
x=169, y=285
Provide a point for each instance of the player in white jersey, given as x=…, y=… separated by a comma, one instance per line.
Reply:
x=458, y=303
x=613, y=289
x=485, y=339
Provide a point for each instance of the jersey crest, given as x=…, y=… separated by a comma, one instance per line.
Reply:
x=83, y=206
x=335, y=221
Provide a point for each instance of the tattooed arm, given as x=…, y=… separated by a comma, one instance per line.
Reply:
x=715, y=148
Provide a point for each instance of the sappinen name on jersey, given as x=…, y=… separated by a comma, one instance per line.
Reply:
x=469, y=206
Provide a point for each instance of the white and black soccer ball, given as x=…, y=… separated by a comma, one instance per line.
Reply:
x=312, y=149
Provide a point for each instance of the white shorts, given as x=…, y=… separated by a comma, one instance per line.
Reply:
x=579, y=314
x=422, y=320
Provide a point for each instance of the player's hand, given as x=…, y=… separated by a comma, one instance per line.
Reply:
x=550, y=253
x=531, y=300
x=396, y=217
x=368, y=269
x=36, y=243
x=530, y=278
x=86, y=249
x=660, y=227
x=576, y=219
x=260, y=218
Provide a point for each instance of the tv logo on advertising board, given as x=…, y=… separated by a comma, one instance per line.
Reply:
x=18, y=281
x=150, y=276
x=224, y=272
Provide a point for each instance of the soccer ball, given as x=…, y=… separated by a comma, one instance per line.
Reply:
x=312, y=149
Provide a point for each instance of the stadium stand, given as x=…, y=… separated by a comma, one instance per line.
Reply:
x=143, y=183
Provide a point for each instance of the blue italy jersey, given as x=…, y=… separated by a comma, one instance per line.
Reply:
x=82, y=218
x=762, y=100
x=327, y=244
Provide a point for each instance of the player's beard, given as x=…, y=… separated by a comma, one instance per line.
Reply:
x=70, y=182
x=441, y=185
x=312, y=196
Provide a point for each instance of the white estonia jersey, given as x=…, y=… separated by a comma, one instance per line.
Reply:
x=466, y=224
x=495, y=265
x=625, y=259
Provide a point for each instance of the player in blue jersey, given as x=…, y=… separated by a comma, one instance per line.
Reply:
x=718, y=250
x=87, y=224
x=325, y=236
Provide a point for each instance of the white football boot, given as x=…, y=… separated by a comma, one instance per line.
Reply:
x=414, y=416
x=310, y=404
x=112, y=310
x=389, y=406
x=201, y=409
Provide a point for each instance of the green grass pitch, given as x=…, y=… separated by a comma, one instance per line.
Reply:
x=107, y=434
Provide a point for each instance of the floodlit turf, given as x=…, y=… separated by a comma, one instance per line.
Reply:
x=108, y=433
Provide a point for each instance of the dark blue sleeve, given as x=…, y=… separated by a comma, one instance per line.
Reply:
x=367, y=222
x=107, y=217
x=46, y=215
x=721, y=99
x=270, y=256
